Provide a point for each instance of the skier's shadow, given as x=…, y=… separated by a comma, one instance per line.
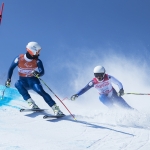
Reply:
x=35, y=114
x=69, y=118
x=88, y=124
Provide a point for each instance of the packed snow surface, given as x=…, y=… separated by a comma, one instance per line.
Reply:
x=92, y=128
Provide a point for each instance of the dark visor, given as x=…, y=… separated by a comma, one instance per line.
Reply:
x=99, y=74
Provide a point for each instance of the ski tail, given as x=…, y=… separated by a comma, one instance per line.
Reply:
x=34, y=110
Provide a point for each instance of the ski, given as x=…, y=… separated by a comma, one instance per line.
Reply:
x=53, y=116
x=28, y=110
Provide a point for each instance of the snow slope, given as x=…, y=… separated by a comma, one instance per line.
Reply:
x=93, y=129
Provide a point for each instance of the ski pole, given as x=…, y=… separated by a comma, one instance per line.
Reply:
x=138, y=93
x=3, y=92
x=56, y=96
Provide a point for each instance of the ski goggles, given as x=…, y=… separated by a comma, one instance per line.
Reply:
x=99, y=75
x=34, y=52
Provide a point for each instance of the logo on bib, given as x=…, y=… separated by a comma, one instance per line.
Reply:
x=102, y=85
x=28, y=65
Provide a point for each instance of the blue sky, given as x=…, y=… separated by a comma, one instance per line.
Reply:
x=75, y=34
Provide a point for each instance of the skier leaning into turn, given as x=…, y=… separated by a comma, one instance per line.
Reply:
x=108, y=95
x=29, y=68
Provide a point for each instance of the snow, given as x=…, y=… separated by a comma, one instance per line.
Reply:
x=95, y=127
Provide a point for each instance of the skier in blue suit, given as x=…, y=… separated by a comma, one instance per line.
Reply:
x=29, y=68
x=107, y=94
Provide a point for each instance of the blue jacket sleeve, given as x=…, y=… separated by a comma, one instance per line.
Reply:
x=86, y=88
x=40, y=67
x=12, y=67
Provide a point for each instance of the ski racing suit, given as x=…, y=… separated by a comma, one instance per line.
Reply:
x=108, y=95
x=26, y=80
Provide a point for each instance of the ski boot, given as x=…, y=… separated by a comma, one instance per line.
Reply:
x=57, y=111
x=32, y=104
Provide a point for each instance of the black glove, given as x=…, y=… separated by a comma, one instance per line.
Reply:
x=74, y=97
x=7, y=83
x=121, y=92
x=35, y=73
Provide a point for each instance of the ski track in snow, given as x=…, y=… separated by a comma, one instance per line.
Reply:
x=97, y=130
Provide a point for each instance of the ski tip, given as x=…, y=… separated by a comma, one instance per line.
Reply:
x=44, y=117
x=21, y=110
x=52, y=116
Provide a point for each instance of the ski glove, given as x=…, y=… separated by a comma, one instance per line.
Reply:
x=35, y=73
x=7, y=83
x=121, y=92
x=74, y=97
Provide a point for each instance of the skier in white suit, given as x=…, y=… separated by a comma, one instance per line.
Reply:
x=107, y=94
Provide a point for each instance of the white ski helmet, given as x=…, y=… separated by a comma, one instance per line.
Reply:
x=33, y=48
x=99, y=72
x=99, y=69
